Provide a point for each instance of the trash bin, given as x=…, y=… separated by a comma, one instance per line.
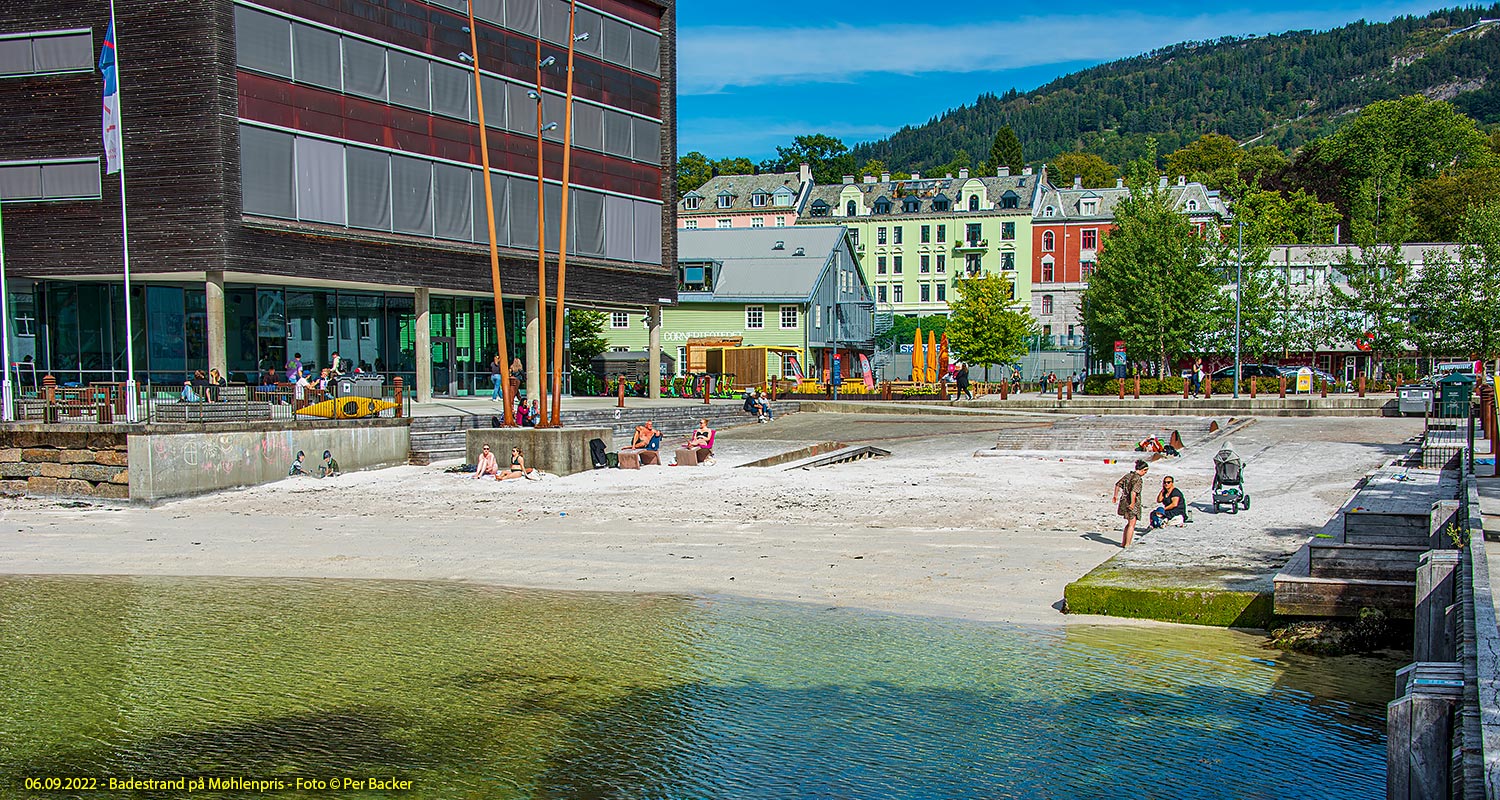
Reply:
x=362, y=385
x=1416, y=398
x=1453, y=395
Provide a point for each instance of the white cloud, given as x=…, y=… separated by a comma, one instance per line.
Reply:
x=714, y=58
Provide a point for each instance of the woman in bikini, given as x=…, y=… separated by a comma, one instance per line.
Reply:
x=517, y=466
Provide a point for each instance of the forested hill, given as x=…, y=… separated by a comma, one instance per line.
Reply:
x=1288, y=89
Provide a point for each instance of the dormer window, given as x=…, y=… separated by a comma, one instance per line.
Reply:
x=1090, y=207
x=690, y=203
x=941, y=202
x=1049, y=211
x=758, y=199
x=697, y=278
x=911, y=205
x=1192, y=205
x=1010, y=200
x=973, y=202
x=851, y=209
x=725, y=199
x=783, y=197
x=819, y=209
x=882, y=206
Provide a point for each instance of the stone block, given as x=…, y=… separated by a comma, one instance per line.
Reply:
x=122, y=477
x=10, y=455
x=13, y=486
x=76, y=457
x=57, y=470
x=112, y=491
x=19, y=470
x=41, y=485
x=111, y=458
x=39, y=455
x=75, y=488
x=90, y=472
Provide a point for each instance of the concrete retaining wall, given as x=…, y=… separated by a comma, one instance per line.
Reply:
x=560, y=451
x=171, y=464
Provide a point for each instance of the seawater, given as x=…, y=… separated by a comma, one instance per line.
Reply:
x=479, y=692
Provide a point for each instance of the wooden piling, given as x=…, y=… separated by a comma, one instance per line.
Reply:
x=1432, y=638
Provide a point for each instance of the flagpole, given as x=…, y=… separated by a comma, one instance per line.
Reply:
x=132, y=412
x=7, y=406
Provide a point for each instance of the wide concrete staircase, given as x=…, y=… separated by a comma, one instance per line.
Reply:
x=436, y=438
x=1115, y=434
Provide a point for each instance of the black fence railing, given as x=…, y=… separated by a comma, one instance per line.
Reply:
x=109, y=403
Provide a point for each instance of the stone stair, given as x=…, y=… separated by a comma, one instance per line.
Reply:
x=443, y=437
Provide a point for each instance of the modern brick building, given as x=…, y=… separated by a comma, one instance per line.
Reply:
x=304, y=177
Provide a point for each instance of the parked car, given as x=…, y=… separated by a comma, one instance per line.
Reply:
x=1249, y=371
x=1319, y=376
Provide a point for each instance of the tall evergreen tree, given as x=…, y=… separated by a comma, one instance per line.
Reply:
x=1005, y=151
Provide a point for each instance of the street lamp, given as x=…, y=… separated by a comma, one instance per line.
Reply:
x=489, y=206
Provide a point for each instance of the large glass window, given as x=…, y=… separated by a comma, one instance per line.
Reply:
x=453, y=202
x=165, y=319
x=317, y=57
x=369, y=188
x=364, y=68
x=320, y=181
x=266, y=173
x=263, y=42
x=70, y=180
x=411, y=195
x=409, y=81
x=452, y=91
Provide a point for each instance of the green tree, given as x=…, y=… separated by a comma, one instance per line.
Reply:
x=986, y=328
x=738, y=165
x=1263, y=166
x=1213, y=159
x=1273, y=217
x=1153, y=287
x=693, y=170
x=1453, y=299
x=828, y=157
x=1443, y=203
x=1372, y=301
x=1005, y=151
x=1095, y=171
x=1391, y=146
x=585, y=341
x=873, y=168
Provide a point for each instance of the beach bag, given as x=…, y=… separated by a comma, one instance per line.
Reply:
x=597, y=452
x=612, y=460
x=494, y=422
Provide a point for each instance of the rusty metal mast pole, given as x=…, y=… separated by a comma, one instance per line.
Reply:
x=541, y=254
x=562, y=245
x=489, y=207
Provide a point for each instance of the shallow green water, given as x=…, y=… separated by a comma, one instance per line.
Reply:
x=481, y=692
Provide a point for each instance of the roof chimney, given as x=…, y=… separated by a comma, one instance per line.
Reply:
x=804, y=172
x=916, y=176
x=1077, y=181
x=1119, y=183
x=848, y=179
x=949, y=176
x=1162, y=184
x=780, y=245
x=1181, y=180
x=885, y=177
x=1025, y=170
x=1002, y=172
x=963, y=173
x=869, y=179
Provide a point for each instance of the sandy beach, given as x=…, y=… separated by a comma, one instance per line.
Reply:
x=930, y=530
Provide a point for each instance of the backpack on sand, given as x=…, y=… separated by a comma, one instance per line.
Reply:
x=597, y=453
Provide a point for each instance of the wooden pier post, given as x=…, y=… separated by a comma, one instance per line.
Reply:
x=1419, y=728
x=620, y=390
x=1432, y=635
x=1004, y=388
x=1361, y=386
x=1070, y=388
x=1138, y=387
x=1282, y=388
x=1121, y=382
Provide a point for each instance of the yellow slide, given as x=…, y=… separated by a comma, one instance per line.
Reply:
x=347, y=408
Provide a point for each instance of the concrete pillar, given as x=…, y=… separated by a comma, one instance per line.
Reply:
x=422, y=330
x=653, y=348
x=534, y=344
x=213, y=295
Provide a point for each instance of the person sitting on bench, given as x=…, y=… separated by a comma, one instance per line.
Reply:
x=702, y=437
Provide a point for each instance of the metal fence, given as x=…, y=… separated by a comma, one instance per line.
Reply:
x=109, y=403
x=1448, y=435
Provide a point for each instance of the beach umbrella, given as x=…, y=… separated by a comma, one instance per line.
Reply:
x=917, y=369
x=931, y=357
x=943, y=356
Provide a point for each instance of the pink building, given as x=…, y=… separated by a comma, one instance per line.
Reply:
x=768, y=200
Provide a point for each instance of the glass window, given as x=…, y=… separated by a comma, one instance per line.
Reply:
x=880, y=265
x=586, y=218
x=410, y=85
x=896, y=235
x=1047, y=304
x=616, y=42
x=646, y=141
x=68, y=52
x=553, y=110
x=896, y=265
x=320, y=181
x=619, y=320
x=788, y=317
x=926, y=264
x=942, y=264
x=266, y=173
x=263, y=42
x=369, y=188
x=1091, y=239
x=880, y=236
x=70, y=181
x=648, y=226
x=364, y=68
x=588, y=124
x=15, y=57
x=521, y=15
x=926, y=234
x=316, y=57
x=451, y=90
x=619, y=235
x=411, y=195
x=942, y=292
x=521, y=114
x=507, y=204
x=487, y=10
x=880, y=293
x=645, y=51
x=1008, y=231
x=754, y=317
x=617, y=134
x=925, y=292
x=589, y=22
x=555, y=21
x=896, y=291
x=522, y=222
x=165, y=320
x=1048, y=240
x=942, y=234
x=453, y=202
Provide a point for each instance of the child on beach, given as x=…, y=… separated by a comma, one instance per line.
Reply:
x=1128, y=499
x=329, y=467
x=297, y=467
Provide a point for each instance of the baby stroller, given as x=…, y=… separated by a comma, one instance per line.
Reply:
x=1229, y=481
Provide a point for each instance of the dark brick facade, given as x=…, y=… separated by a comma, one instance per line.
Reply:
x=181, y=104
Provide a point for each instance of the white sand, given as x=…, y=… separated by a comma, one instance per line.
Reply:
x=930, y=530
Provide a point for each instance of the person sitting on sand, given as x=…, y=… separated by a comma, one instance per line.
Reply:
x=487, y=464
x=297, y=467
x=1170, y=505
x=330, y=465
x=517, y=467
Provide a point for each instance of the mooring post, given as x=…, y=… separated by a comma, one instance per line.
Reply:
x=1361, y=386
x=1208, y=387
x=1325, y=387
x=1432, y=640
x=1004, y=388
x=1120, y=387
x=1419, y=730
x=620, y=390
x=1282, y=388
x=1186, y=382
x=1252, y=388
x=708, y=388
x=773, y=388
x=1070, y=388
x=1137, y=387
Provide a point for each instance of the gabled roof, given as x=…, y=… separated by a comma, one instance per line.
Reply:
x=929, y=190
x=750, y=266
x=741, y=188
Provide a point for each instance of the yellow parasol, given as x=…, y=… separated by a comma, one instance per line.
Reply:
x=917, y=370
x=943, y=356
x=931, y=357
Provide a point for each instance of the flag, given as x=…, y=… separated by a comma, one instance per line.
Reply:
x=796, y=367
x=112, y=145
x=864, y=366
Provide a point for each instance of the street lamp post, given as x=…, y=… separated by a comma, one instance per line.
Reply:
x=1239, y=259
x=489, y=207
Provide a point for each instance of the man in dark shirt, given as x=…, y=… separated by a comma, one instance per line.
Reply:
x=1170, y=505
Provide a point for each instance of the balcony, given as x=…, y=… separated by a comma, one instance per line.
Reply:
x=971, y=244
x=859, y=247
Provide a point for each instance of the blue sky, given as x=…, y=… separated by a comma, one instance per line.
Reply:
x=753, y=75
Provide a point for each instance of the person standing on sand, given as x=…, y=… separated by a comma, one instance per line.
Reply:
x=1127, y=498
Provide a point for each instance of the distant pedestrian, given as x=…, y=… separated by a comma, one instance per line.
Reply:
x=497, y=374
x=1197, y=376
x=294, y=368
x=961, y=378
x=1127, y=498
